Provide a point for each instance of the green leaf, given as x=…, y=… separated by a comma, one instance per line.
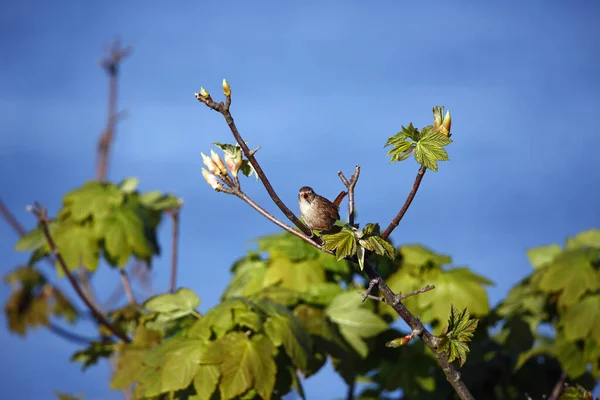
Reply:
x=93, y=199
x=77, y=245
x=129, y=185
x=245, y=364
x=589, y=238
x=247, y=169
x=457, y=334
x=176, y=305
x=430, y=150
x=571, y=274
x=91, y=354
x=322, y=293
x=543, y=255
x=571, y=358
x=419, y=255
x=181, y=365
x=129, y=369
x=248, y=279
x=284, y=329
x=33, y=239
x=343, y=243
x=206, y=380
x=576, y=393
x=354, y=321
x=288, y=246
x=458, y=286
x=124, y=233
x=582, y=319
x=382, y=246
x=403, y=143
x=298, y=276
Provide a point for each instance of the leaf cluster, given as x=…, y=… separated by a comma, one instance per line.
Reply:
x=101, y=219
x=427, y=145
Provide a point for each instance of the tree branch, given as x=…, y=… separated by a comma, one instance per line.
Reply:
x=127, y=287
x=174, y=213
x=11, y=220
x=223, y=109
x=111, y=64
x=394, y=300
x=559, y=387
x=350, y=186
x=70, y=336
x=409, y=200
x=42, y=217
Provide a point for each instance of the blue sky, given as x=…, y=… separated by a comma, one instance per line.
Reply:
x=320, y=87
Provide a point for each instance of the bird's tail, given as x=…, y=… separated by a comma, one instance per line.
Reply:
x=339, y=198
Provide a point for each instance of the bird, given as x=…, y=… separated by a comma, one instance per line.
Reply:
x=317, y=212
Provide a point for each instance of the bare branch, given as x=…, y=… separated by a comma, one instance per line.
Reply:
x=70, y=336
x=559, y=387
x=42, y=217
x=350, y=186
x=409, y=200
x=111, y=64
x=399, y=296
x=11, y=220
x=127, y=287
x=223, y=109
x=174, y=213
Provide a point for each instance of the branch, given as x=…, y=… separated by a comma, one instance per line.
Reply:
x=399, y=296
x=174, y=213
x=127, y=287
x=395, y=301
x=223, y=109
x=415, y=324
x=111, y=65
x=11, y=220
x=558, y=388
x=350, y=186
x=42, y=217
x=70, y=336
x=409, y=200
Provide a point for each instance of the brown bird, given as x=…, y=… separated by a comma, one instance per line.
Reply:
x=318, y=212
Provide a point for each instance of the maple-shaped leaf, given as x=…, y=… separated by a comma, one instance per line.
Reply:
x=343, y=243
x=457, y=334
x=430, y=148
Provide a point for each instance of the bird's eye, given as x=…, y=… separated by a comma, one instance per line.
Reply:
x=305, y=195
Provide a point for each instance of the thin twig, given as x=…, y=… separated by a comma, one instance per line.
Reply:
x=111, y=64
x=42, y=217
x=276, y=221
x=399, y=296
x=409, y=200
x=127, y=287
x=11, y=220
x=174, y=213
x=350, y=186
x=559, y=387
x=223, y=109
x=70, y=336
x=350, y=393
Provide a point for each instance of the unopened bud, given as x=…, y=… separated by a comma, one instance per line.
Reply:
x=233, y=162
x=226, y=88
x=217, y=159
x=210, y=164
x=204, y=93
x=399, y=341
x=211, y=180
x=446, y=124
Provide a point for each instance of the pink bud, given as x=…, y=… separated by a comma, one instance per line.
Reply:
x=217, y=159
x=210, y=164
x=233, y=162
x=211, y=179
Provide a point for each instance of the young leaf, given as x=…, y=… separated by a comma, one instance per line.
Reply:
x=173, y=306
x=247, y=169
x=457, y=334
x=430, y=149
x=582, y=319
x=206, y=380
x=343, y=243
x=543, y=255
x=128, y=185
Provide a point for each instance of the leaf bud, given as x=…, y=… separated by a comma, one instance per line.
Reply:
x=210, y=164
x=211, y=179
x=217, y=159
x=234, y=162
x=226, y=88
